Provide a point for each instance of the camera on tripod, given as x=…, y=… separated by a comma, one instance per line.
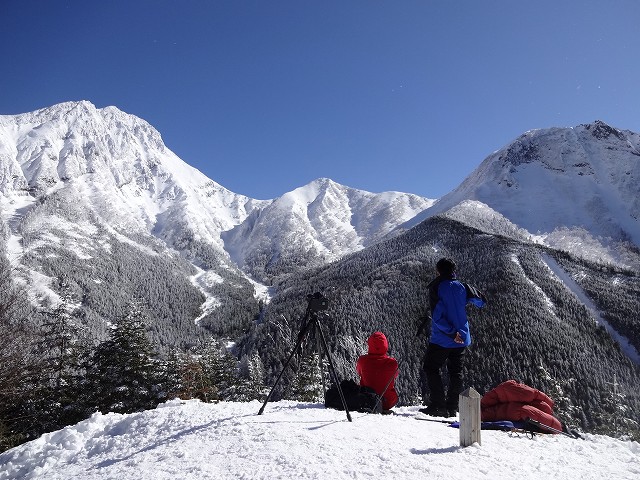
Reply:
x=317, y=302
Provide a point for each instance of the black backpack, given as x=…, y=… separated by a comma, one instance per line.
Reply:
x=358, y=398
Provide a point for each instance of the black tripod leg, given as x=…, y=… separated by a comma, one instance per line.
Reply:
x=301, y=337
x=332, y=369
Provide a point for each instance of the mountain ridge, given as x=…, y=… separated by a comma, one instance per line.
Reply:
x=109, y=171
x=569, y=187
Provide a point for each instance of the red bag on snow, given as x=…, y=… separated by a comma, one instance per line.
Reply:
x=516, y=401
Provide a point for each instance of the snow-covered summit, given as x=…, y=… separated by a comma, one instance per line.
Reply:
x=117, y=164
x=571, y=186
x=316, y=223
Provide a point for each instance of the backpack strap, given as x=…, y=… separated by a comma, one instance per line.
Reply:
x=393, y=375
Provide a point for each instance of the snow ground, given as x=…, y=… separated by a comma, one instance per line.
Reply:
x=191, y=440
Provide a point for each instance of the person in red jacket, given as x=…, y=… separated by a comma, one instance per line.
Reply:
x=378, y=370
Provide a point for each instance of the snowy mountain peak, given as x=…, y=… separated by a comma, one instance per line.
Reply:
x=601, y=130
x=316, y=223
x=117, y=165
x=66, y=141
x=572, y=186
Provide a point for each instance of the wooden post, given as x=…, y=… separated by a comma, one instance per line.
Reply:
x=469, y=407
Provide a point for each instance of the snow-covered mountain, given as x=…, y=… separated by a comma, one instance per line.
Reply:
x=107, y=176
x=573, y=188
x=85, y=192
x=315, y=224
x=97, y=213
x=117, y=167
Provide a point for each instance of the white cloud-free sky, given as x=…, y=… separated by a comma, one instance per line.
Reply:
x=264, y=97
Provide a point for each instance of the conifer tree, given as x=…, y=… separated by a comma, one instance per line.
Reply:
x=17, y=359
x=565, y=410
x=615, y=419
x=193, y=381
x=221, y=370
x=123, y=373
x=307, y=382
x=52, y=401
x=252, y=379
x=170, y=376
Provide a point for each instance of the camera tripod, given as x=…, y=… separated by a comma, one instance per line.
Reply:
x=310, y=323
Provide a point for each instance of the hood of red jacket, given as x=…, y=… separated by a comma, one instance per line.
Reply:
x=378, y=344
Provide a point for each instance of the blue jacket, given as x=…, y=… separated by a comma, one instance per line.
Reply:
x=449, y=315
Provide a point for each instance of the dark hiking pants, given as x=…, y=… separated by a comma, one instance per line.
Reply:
x=435, y=358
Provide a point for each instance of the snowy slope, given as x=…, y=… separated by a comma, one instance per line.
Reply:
x=577, y=188
x=191, y=440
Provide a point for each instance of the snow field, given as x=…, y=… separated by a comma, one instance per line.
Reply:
x=192, y=440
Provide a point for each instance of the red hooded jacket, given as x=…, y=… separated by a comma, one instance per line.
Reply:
x=377, y=369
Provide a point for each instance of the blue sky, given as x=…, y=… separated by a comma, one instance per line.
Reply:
x=265, y=96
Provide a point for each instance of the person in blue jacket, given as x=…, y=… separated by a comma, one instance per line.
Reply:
x=450, y=337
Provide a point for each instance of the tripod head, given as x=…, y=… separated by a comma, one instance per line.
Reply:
x=317, y=302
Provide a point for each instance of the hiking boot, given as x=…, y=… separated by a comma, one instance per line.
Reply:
x=434, y=411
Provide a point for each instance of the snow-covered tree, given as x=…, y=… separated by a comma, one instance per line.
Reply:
x=221, y=369
x=307, y=382
x=252, y=375
x=52, y=400
x=123, y=373
x=615, y=420
x=186, y=378
x=18, y=360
